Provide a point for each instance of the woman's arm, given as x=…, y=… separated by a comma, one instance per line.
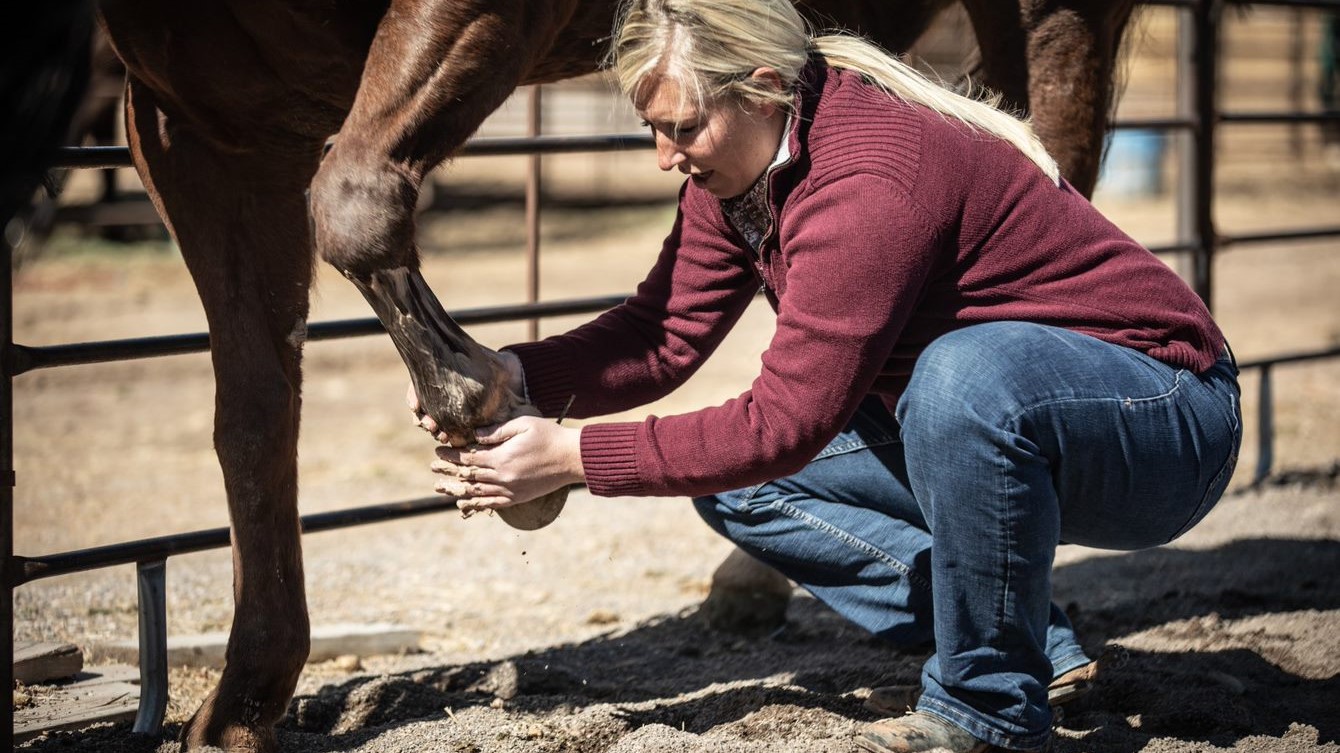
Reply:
x=856, y=255
x=644, y=348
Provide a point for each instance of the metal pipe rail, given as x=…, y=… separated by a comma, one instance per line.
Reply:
x=1265, y=401
x=106, y=157
x=23, y=358
x=99, y=157
x=159, y=548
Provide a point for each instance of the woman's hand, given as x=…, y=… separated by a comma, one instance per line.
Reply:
x=513, y=463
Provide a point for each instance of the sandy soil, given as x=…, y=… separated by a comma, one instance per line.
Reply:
x=582, y=636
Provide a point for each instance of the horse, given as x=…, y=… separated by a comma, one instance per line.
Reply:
x=44, y=75
x=229, y=107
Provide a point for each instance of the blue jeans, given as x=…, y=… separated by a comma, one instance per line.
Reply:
x=1011, y=438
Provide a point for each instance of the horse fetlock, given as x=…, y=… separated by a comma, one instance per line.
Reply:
x=460, y=384
x=363, y=216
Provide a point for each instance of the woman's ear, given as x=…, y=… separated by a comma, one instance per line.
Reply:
x=767, y=78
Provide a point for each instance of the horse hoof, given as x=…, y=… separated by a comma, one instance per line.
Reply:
x=536, y=514
x=204, y=732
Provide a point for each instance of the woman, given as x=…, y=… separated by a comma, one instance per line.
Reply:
x=971, y=365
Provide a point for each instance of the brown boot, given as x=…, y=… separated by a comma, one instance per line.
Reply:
x=918, y=732
x=1075, y=684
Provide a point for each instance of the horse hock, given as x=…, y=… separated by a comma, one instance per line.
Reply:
x=460, y=383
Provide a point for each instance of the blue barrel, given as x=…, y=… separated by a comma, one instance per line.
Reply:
x=1133, y=163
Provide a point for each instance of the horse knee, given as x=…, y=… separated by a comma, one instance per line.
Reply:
x=363, y=214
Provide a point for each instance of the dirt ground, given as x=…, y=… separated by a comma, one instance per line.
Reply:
x=582, y=636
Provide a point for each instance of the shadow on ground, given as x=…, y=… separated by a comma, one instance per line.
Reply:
x=674, y=671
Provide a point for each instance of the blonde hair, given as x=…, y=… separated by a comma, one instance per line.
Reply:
x=710, y=48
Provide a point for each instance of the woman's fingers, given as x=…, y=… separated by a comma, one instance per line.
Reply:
x=463, y=472
x=469, y=455
x=474, y=495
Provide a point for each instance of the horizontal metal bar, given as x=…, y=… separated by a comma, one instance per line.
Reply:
x=1266, y=118
x=1331, y=4
x=91, y=157
x=612, y=142
x=162, y=547
x=1277, y=235
x=1311, y=355
x=102, y=157
x=1173, y=248
x=26, y=358
x=1154, y=124
x=1280, y=235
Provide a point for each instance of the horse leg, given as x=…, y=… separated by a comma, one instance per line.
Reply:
x=412, y=110
x=253, y=279
x=1055, y=60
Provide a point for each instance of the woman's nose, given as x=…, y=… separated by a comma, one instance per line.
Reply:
x=668, y=157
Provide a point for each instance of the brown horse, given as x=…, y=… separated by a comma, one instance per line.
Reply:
x=229, y=105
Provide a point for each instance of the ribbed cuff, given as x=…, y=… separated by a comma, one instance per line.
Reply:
x=549, y=380
x=609, y=459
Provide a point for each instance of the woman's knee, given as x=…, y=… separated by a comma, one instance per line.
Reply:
x=962, y=374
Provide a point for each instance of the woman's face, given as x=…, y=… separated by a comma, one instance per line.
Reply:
x=724, y=148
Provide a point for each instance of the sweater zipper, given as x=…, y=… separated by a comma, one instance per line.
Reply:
x=772, y=216
x=756, y=254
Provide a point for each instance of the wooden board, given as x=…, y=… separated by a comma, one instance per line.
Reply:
x=101, y=695
x=37, y=662
x=328, y=642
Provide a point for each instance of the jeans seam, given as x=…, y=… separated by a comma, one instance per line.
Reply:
x=1127, y=401
x=1007, y=542
x=855, y=542
x=852, y=446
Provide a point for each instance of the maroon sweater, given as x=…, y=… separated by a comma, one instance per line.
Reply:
x=892, y=226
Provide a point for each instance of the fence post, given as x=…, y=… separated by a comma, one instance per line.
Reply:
x=1198, y=47
x=534, y=124
x=1265, y=420
x=8, y=564
x=151, y=579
